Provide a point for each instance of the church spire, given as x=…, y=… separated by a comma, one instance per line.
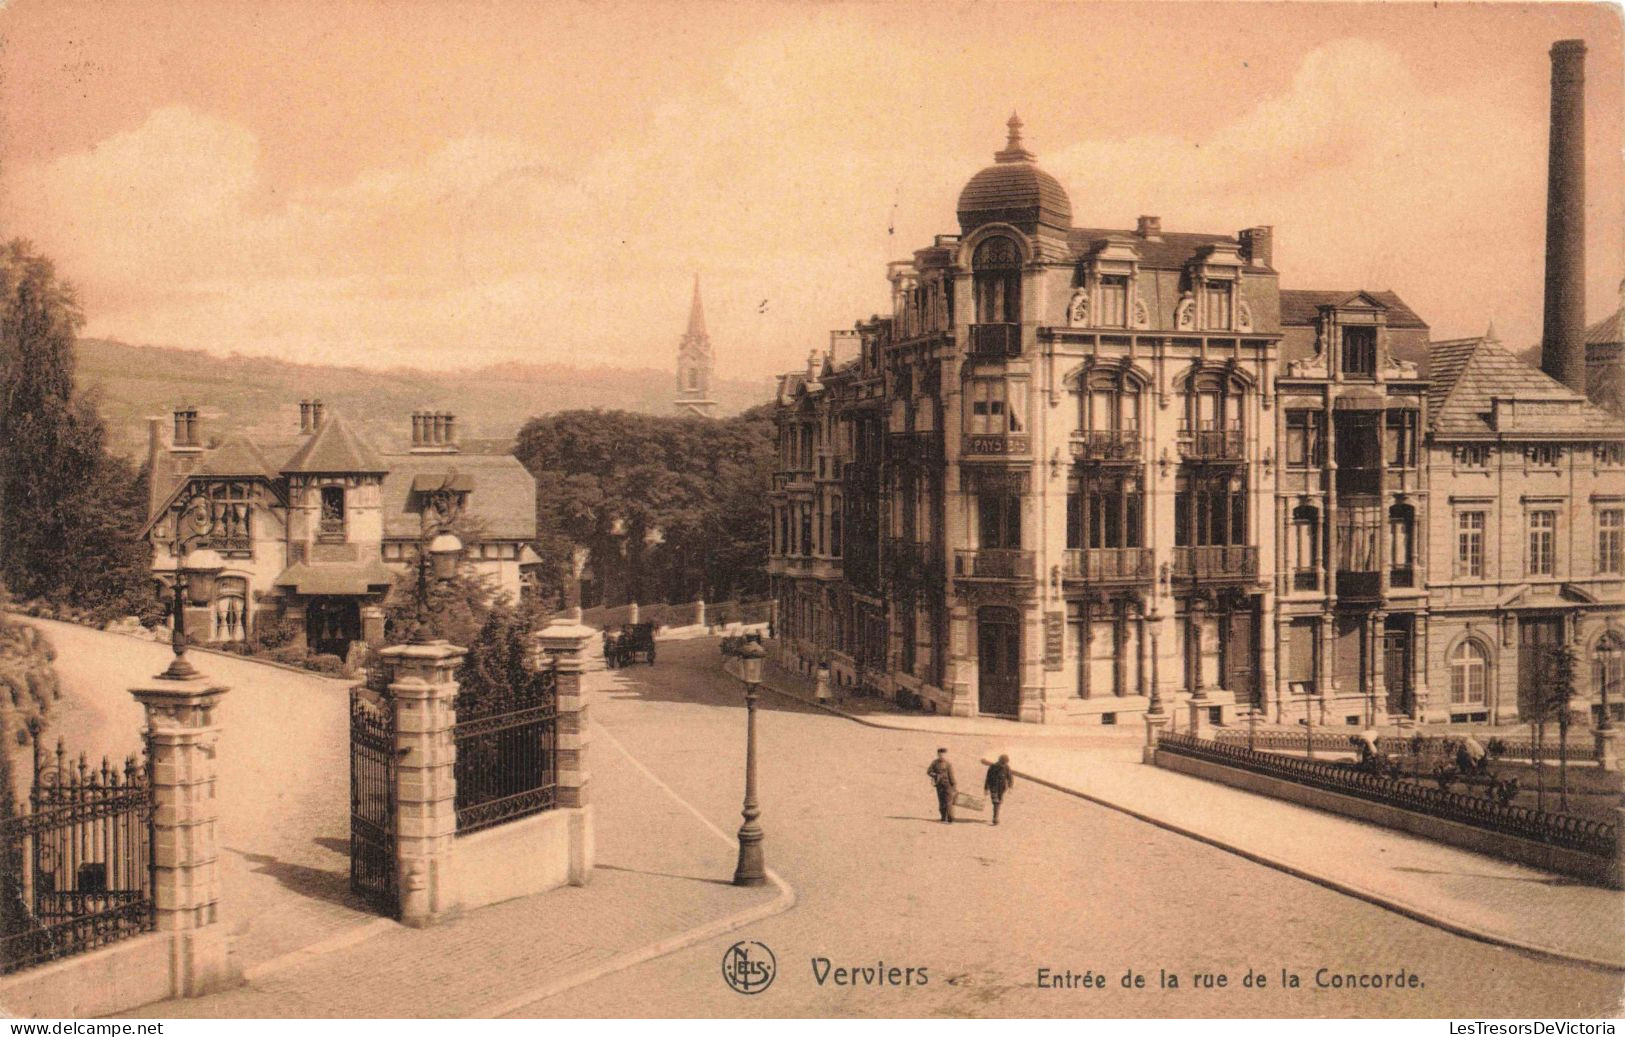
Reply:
x=694, y=363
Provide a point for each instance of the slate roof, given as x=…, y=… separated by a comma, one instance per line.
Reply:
x=1171, y=252
x=330, y=578
x=1015, y=185
x=1609, y=331
x=236, y=457
x=1467, y=374
x=333, y=448
x=1302, y=306
x=501, y=493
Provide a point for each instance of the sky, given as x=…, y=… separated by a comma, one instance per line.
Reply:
x=459, y=183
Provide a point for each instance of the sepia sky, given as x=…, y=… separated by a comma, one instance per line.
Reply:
x=459, y=183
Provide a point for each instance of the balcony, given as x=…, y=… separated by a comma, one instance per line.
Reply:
x=1359, y=482
x=919, y=447
x=1358, y=585
x=1229, y=445
x=1216, y=562
x=995, y=341
x=995, y=563
x=1402, y=577
x=793, y=478
x=1108, y=565
x=1106, y=445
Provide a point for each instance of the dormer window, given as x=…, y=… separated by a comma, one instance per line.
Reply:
x=1217, y=305
x=332, y=517
x=1114, y=301
x=1360, y=351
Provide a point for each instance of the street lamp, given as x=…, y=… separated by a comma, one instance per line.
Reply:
x=751, y=870
x=441, y=558
x=194, y=524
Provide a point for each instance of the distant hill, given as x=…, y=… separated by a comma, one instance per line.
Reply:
x=260, y=394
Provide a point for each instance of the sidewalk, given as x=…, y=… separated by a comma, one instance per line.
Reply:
x=661, y=883
x=1466, y=893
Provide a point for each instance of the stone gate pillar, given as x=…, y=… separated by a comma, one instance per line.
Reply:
x=566, y=645
x=181, y=739
x=422, y=680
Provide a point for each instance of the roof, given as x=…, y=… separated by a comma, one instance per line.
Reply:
x=501, y=493
x=1609, y=331
x=236, y=457
x=1469, y=374
x=696, y=314
x=351, y=578
x=1170, y=250
x=1014, y=188
x=334, y=448
x=1302, y=306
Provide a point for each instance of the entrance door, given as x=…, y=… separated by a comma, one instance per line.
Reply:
x=998, y=661
x=1241, y=658
x=1537, y=635
x=331, y=624
x=1396, y=667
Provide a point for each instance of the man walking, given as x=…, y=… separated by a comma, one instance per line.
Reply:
x=998, y=782
x=941, y=773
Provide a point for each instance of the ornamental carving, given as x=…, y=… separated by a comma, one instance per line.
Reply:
x=1244, y=317
x=1185, y=314
x=1077, y=312
x=1142, y=314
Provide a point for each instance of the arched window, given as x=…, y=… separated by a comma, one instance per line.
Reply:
x=230, y=610
x=1608, y=675
x=1213, y=403
x=996, y=279
x=1110, y=404
x=1469, y=675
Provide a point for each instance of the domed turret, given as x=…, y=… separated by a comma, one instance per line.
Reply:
x=1014, y=190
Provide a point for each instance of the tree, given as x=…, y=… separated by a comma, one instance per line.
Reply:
x=70, y=512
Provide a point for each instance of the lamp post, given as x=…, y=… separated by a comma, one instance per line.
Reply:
x=194, y=524
x=441, y=558
x=751, y=870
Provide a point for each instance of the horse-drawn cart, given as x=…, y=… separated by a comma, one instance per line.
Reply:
x=634, y=643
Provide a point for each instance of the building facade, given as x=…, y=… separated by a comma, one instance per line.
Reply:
x=321, y=537
x=1075, y=468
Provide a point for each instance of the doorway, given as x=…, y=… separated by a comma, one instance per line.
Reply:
x=331, y=624
x=998, y=661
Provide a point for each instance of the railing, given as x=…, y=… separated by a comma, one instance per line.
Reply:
x=1306, y=579
x=1402, y=577
x=1220, y=445
x=1359, y=482
x=1216, y=562
x=1554, y=829
x=506, y=733
x=1422, y=746
x=1108, y=564
x=995, y=340
x=1358, y=585
x=994, y=563
x=76, y=862
x=1106, y=445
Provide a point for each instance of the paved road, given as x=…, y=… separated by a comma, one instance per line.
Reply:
x=1063, y=885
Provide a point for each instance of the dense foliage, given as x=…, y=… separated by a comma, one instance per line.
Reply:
x=669, y=509
x=70, y=511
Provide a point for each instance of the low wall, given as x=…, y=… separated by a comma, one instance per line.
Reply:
x=531, y=855
x=1601, y=870
x=112, y=979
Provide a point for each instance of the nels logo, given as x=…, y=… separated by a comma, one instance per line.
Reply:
x=749, y=967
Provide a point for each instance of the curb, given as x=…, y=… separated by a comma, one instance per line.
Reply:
x=660, y=948
x=870, y=721
x=1400, y=907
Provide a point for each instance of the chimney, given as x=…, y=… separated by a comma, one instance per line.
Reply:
x=316, y=414
x=1150, y=228
x=1258, y=245
x=185, y=428
x=305, y=428
x=451, y=430
x=1562, y=345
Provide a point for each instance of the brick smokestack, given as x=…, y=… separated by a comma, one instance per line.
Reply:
x=1562, y=349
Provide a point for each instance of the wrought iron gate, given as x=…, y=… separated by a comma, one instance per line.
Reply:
x=372, y=798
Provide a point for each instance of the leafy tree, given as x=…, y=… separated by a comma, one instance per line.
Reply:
x=670, y=508
x=70, y=511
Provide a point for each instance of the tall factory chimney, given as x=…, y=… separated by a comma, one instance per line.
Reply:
x=1562, y=349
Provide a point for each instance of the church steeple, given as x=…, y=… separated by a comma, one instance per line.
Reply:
x=694, y=363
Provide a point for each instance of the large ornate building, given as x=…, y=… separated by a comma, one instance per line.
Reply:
x=1075, y=468
x=320, y=536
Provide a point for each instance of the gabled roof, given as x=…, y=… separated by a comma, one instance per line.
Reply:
x=333, y=448
x=501, y=493
x=1469, y=374
x=237, y=457
x=1302, y=306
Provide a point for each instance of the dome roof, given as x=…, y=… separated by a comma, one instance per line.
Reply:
x=1014, y=190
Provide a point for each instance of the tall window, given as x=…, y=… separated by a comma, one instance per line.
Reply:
x=1113, y=301
x=999, y=515
x=1469, y=675
x=1360, y=351
x=1302, y=650
x=1305, y=438
x=1611, y=540
x=1542, y=543
x=1305, y=548
x=229, y=620
x=996, y=280
x=1216, y=300
x=1399, y=439
x=997, y=407
x=1401, y=529
x=1470, y=544
x=1108, y=513
x=1110, y=406
x=1212, y=404
x=332, y=518
x=1608, y=672
x=1210, y=510
x=835, y=530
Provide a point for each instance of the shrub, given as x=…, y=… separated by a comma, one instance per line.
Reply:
x=325, y=663
x=274, y=631
x=293, y=655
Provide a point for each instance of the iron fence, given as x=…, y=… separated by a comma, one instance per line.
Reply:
x=507, y=756
x=1548, y=827
x=372, y=795
x=75, y=861
x=1425, y=746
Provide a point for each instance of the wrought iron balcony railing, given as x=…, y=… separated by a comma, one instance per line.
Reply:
x=995, y=563
x=995, y=340
x=1216, y=562
x=1354, y=584
x=1108, y=565
x=1225, y=445
x=1106, y=445
x=1402, y=576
